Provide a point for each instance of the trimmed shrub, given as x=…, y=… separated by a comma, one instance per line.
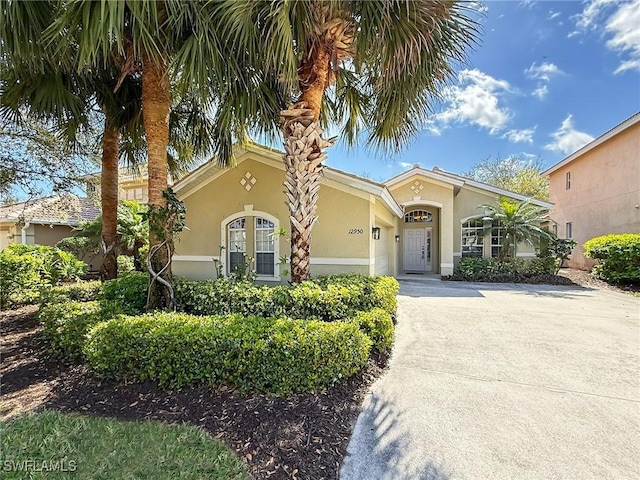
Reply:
x=25, y=269
x=525, y=270
x=125, y=265
x=328, y=298
x=65, y=326
x=74, y=292
x=129, y=292
x=618, y=256
x=268, y=355
x=378, y=326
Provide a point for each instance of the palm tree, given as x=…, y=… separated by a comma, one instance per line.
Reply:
x=171, y=45
x=515, y=222
x=133, y=229
x=366, y=65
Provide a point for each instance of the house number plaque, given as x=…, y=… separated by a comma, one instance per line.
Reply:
x=356, y=231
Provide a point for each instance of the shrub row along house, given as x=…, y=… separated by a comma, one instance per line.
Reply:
x=419, y=221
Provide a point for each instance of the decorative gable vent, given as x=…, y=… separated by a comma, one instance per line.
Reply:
x=248, y=181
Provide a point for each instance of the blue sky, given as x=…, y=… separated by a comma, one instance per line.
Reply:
x=547, y=78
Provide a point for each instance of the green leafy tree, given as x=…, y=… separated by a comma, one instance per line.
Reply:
x=174, y=47
x=366, y=66
x=512, y=173
x=517, y=222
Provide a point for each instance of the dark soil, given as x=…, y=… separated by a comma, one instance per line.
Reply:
x=585, y=279
x=299, y=437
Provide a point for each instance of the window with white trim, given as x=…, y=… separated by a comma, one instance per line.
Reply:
x=568, y=181
x=472, y=238
x=497, y=239
x=568, y=230
x=418, y=216
x=265, y=246
x=237, y=245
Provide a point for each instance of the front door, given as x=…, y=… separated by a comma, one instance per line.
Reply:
x=417, y=249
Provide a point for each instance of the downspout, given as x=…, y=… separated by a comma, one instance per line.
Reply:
x=24, y=233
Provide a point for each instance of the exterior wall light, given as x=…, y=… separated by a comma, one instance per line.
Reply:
x=397, y=238
x=375, y=232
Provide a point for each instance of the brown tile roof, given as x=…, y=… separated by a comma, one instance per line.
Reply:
x=55, y=210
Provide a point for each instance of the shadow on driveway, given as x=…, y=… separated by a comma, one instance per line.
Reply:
x=380, y=450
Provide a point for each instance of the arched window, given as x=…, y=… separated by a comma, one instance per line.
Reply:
x=418, y=216
x=472, y=238
x=265, y=246
x=237, y=243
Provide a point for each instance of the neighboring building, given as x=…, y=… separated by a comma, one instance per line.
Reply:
x=596, y=190
x=44, y=221
x=132, y=184
x=419, y=221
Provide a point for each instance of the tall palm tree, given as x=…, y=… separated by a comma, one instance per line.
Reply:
x=171, y=44
x=375, y=66
x=516, y=222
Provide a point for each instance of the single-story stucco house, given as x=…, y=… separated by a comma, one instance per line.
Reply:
x=421, y=221
x=44, y=221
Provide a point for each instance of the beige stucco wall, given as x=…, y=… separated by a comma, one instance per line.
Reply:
x=46, y=235
x=604, y=194
x=341, y=209
x=436, y=197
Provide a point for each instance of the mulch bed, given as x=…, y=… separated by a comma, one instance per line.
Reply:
x=299, y=437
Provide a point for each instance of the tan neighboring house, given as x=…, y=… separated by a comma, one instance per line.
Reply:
x=44, y=221
x=596, y=190
x=421, y=221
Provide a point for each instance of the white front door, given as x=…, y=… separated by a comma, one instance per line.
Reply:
x=417, y=249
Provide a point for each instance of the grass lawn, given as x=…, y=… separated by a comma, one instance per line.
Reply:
x=70, y=446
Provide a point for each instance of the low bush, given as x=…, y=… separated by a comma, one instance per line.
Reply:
x=377, y=324
x=65, y=326
x=327, y=298
x=74, y=292
x=129, y=291
x=527, y=270
x=251, y=353
x=618, y=257
x=125, y=265
x=26, y=269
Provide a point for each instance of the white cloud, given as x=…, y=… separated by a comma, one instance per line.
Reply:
x=406, y=165
x=553, y=14
x=567, y=139
x=475, y=100
x=479, y=6
x=621, y=22
x=541, y=91
x=520, y=136
x=542, y=73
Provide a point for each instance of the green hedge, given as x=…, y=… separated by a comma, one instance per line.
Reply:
x=479, y=269
x=65, y=326
x=268, y=355
x=129, y=291
x=74, y=292
x=326, y=298
x=377, y=324
x=26, y=269
x=618, y=256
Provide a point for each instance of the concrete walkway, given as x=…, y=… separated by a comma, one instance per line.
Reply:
x=495, y=381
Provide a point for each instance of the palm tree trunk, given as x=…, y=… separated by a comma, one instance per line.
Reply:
x=109, y=201
x=155, y=111
x=303, y=145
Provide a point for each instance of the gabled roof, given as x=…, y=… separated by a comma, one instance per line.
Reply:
x=460, y=181
x=55, y=210
x=621, y=127
x=204, y=174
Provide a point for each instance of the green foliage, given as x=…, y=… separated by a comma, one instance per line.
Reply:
x=559, y=249
x=128, y=291
x=378, y=326
x=268, y=355
x=25, y=269
x=618, y=256
x=65, y=326
x=95, y=448
x=75, y=292
x=326, y=298
x=525, y=270
x=125, y=265
x=79, y=246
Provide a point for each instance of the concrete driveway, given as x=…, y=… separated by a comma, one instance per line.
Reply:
x=495, y=381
